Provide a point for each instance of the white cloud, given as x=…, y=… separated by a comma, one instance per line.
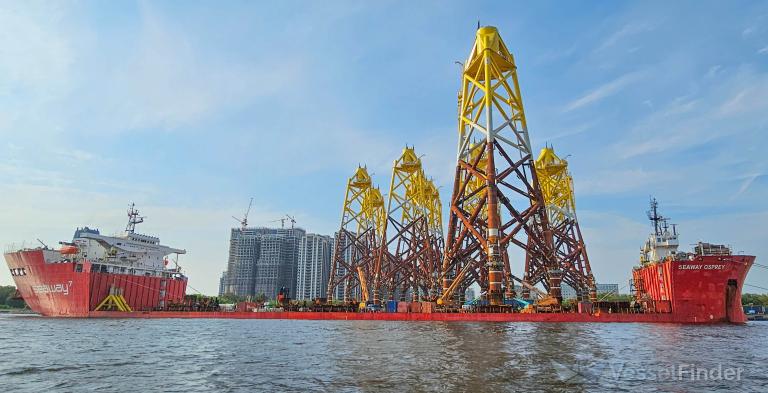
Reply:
x=169, y=82
x=732, y=105
x=568, y=131
x=749, y=96
x=625, y=31
x=613, y=242
x=52, y=213
x=603, y=91
x=620, y=180
x=714, y=70
x=763, y=50
x=748, y=180
x=35, y=57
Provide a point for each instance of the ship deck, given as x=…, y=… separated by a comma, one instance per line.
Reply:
x=440, y=317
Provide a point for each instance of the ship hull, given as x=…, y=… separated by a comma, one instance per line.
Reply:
x=66, y=289
x=700, y=289
x=442, y=317
x=705, y=290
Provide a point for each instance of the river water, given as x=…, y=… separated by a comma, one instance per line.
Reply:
x=41, y=354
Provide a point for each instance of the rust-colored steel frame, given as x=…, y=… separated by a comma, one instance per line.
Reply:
x=407, y=261
x=359, y=236
x=557, y=188
x=479, y=230
x=409, y=257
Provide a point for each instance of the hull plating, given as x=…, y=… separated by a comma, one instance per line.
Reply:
x=446, y=317
x=704, y=290
x=68, y=289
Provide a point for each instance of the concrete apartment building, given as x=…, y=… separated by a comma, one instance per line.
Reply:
x=262, y=260
x=314, y=266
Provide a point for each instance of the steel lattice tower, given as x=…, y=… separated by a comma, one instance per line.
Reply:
x=359, y=236
x=496, y=198
x=557, y=188
x=409, y=255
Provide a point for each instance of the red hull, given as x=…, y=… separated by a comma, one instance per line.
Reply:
x=704, y=290
x=68, y=289
x=445, y=317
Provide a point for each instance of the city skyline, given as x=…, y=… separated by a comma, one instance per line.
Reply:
x=190, y=116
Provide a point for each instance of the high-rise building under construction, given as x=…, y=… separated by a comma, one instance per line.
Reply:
x=314, y=266
x=262, y=260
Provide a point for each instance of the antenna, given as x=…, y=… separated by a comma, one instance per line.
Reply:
x=133, y=218
x=654, y=216
x=176, y=262
x=44, y=245
x=244, y=221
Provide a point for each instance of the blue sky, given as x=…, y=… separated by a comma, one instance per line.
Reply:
x=190, y=108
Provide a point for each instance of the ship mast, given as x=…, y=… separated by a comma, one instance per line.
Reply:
x=654, y=216
x=133, y=218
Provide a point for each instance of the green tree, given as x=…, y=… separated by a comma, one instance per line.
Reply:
x=229, y=298
x=7, y=293
x=260, y=298
x=754, y=298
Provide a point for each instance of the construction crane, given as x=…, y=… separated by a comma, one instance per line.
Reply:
x=244, y=221
x=243, y=226
x=282, y=221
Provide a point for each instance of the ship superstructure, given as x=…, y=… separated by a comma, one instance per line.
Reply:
x=94, y=271
x=131, y=253
x=699, y=286
x=662, y=243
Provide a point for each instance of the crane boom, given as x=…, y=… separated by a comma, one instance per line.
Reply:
x=244, y=221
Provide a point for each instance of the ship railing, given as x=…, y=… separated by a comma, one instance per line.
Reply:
x=14, y=247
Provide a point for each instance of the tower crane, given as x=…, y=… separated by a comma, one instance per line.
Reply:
x=243, y=226
x=244, y=221
x=287, y=217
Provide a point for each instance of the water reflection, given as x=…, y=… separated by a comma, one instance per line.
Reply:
x=368, y=356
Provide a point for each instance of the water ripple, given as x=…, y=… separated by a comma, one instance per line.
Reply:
x=370, y=356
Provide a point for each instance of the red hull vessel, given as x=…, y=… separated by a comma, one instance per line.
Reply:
x=700, y=289
x=77, y=280
x=72, y=289
x=706, y=289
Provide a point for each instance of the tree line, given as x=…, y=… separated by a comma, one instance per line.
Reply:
x=754, y=298
x=7, y=293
